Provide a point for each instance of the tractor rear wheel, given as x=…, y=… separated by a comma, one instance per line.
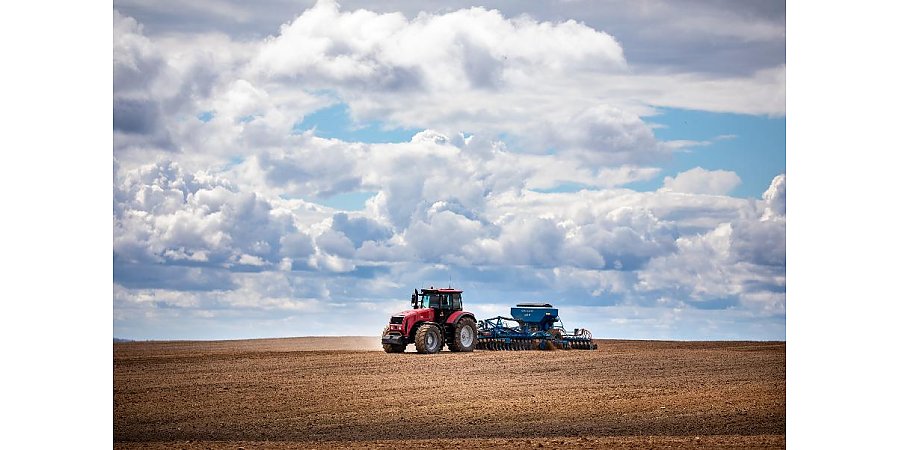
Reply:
x=463, y=336
x=429, y=339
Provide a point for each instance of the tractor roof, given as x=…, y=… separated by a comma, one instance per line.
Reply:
x=441, y=291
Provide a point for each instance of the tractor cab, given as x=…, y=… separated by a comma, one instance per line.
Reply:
x=443, y=301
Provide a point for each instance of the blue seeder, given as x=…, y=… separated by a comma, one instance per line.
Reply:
x=533, y=326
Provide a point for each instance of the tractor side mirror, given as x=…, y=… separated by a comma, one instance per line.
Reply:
x=412, y=300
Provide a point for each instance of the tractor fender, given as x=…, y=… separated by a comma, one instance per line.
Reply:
x=459, y=315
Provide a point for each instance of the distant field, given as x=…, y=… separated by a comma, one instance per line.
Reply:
x=343, y=392
x=296, y=344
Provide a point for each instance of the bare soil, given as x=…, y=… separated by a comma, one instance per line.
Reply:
x=343, y=393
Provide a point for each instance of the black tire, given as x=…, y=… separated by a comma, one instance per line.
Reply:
x=465, y=336
x=429, y=339
x=392, y=348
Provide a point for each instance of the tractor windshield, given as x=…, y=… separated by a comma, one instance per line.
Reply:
x=441, y=301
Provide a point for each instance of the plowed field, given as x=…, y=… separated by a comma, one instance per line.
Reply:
x=343, y=392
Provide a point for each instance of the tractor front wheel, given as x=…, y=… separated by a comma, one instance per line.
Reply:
x=392, y=348
x=464, y=336
x=429, y=339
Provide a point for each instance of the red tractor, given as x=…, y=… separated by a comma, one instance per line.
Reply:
x=436, y=319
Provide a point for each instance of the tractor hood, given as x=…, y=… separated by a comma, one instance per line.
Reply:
x=415, y=315
x=404, y=321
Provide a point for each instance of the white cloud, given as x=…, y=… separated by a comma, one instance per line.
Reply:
x=763, y=92
x=472, y=70
x=605, y=135
x=776, y=198
x=165, y=215
x=217, y=197
x=702, y=181
x=707, y=36
x=741, y=260
x=477, y=71
x=696, y=268
x=472, y=48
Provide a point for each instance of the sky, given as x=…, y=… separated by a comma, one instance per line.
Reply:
x=298, y=169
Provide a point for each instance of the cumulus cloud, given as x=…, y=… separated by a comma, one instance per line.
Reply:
x=193, y=232
x=359, y=229
x=763, y=241
x=162, y=86
x=776, y=198
x=474, y=70
x=742, y=259
x=702, y=181
x=165, y=215
x=472, y=47
x=219, y=197
x=707, y=36
x=476, y=61
x=604, y=135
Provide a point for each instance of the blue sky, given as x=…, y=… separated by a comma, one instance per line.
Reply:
x=300, y=170
x=753, y=146
x=335, y=122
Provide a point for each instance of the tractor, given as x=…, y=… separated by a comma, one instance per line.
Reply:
x=436, y=319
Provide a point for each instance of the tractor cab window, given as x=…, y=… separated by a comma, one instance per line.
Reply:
x=441, y=301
